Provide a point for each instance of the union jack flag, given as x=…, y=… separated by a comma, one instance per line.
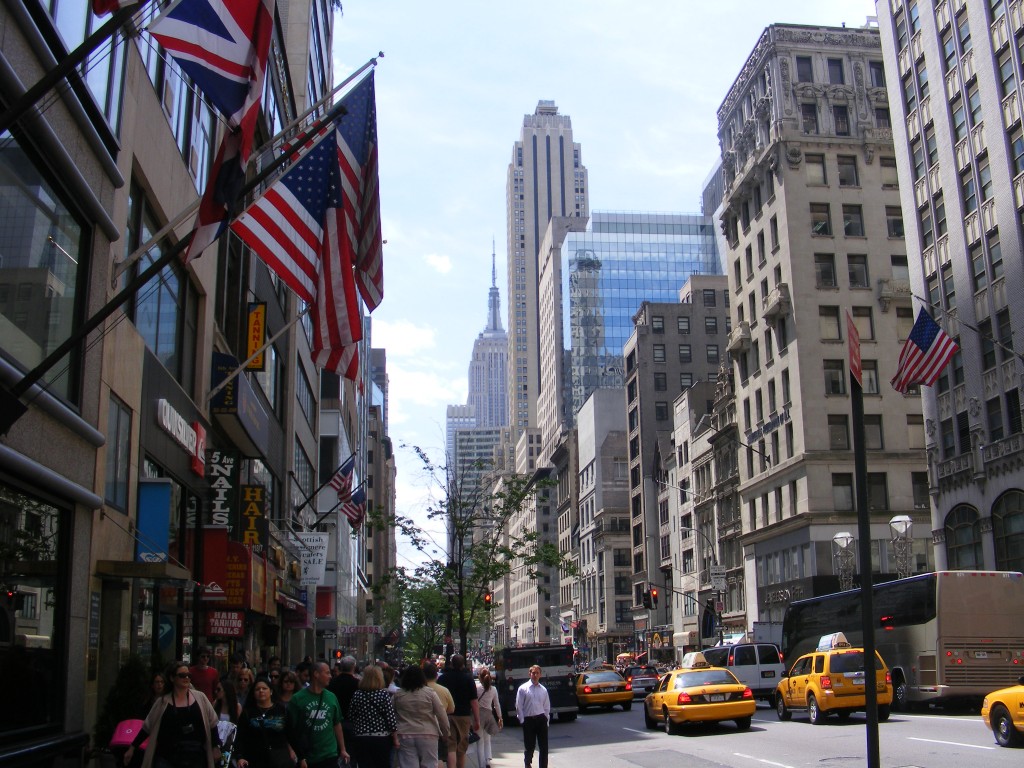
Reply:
x=298, y=229
x=355, y=508
x=342, y=480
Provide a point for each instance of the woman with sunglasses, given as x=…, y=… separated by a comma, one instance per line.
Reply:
x=287, y=686
x=181, y=727
x=262, y=742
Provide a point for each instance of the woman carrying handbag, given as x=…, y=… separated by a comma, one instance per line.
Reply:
x=490, y=717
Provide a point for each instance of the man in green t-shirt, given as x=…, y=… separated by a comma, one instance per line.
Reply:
x=314, y=723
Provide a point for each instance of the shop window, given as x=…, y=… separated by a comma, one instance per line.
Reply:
x=119, y=443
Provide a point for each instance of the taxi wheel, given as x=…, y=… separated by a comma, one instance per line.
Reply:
x=742, y=723
x=883, y=712
x=670, y=727
x=627, y=706
x=649, y=721
x=814, y=713
x=781, y=709
x=1002, y=727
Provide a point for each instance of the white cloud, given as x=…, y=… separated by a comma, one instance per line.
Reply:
x=403, y=338
x=439, y=262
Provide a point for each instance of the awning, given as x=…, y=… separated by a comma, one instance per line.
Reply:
x=128, y=569
x=290, y=603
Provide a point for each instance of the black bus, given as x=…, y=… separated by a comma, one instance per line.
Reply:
x=512, y=669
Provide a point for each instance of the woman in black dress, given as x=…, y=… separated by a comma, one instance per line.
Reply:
x=261, y=739
x=374, y=723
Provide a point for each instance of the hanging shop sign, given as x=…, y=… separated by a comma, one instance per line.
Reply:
x=191, y=437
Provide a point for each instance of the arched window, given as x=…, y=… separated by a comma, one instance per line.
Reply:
x=963, y=540
x=1008, y=531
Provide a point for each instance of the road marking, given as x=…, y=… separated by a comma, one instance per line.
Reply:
x=642, y=733
x=950, y=743
x=759, y=760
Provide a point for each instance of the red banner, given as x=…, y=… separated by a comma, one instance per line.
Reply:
x=215, y=570
x=236, y=580
x=225, y=623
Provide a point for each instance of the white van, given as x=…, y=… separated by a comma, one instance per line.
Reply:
x=757, y=665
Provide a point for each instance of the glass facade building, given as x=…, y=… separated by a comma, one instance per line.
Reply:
x=621, y=260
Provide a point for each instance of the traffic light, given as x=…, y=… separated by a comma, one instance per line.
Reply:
x=337, y=654
x=647, y=598
x=488, y=600
x=654, y=597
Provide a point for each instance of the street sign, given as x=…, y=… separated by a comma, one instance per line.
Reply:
x=717, y=570
x=718, y=583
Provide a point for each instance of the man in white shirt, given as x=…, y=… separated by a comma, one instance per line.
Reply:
x=533, y=708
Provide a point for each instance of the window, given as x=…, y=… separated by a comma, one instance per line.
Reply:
x=894, y=220
x=985, y=179
x=863, y=321
x=809, y=117
x=968, y=191
x=841, y=119
x=904, y=323
x=878, y=491
x=712, y=354
x=119, y=445
x=661, y=411
x=847, y=171
x=909, y=93
x=994, y=419
x=815, y=169
x=711, y=325
x=838, y=433
x=959, y=120
x=709, y=296
x=877, y=72
x=1005, y=334
x=919, y=487
x=988, y=346
x=835, y=380
x=979, y=273
x=974, y=105
x=963, y=31
x=835, y=71
x=963, y=538
x=821, y=219
x=785, y=387
x=683, y=324
x=917, y=159
x=825, y=270
x=773, y=227
x=922, y=81
x=1017, y=150
x=804, y=73
x=685, y=380
x=873, y=437
x=882, y=118
x=657, y=324
x=948, y=51
x=1007, y=76
x=1008, y=531
x=869, y=376
x=684, y=353
x=900, y=269
x=853, y=221
x=857, y=268
x=842, y=491
x=828, y=323
x=927, y=230
x=660, y=381
x=658, y=353
x=940, y=215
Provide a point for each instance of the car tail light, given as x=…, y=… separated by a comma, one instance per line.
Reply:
x=629, y=679
x=684, y=698
x=748, y=694
x=629, y=686
x=826, y=682
x=780, y=657
x=587, y=689
x=888, y=678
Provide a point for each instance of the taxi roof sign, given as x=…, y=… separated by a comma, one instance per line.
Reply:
x=835, y=640
x=694, y=660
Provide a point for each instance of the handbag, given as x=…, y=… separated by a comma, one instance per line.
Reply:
x=125, y=733
x=474, y=737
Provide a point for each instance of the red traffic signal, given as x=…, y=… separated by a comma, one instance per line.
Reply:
x=654, y=597
x=488, y=599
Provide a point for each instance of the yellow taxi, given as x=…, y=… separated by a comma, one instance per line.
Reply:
x=1003, y=712
x=603, y=688
x=696, y=693
x=831, y=680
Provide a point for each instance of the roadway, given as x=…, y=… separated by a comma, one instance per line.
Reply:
x=617, y=739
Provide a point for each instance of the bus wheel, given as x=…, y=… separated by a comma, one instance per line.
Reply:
x=900, y=693
x=1002, y=727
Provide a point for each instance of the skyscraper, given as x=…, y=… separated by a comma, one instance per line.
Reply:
x=960, y=154
x=546, y=178
x=488, y=388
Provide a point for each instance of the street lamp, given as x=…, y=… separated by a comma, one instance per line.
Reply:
x=843, y=546
x=533, y=630
x=515, y=634
x=900, y=527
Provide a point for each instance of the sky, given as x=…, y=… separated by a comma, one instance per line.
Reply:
x=642, y=82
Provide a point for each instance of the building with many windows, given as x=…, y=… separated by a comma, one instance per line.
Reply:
x=956, y=67
x=814, y=225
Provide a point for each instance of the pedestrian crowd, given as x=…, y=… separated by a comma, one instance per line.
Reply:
x=429, y=715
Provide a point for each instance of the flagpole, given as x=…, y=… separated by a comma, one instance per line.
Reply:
x=190, y=209
x=335, y=507
x=64, y=67
x=11, y=407
x=322, y=485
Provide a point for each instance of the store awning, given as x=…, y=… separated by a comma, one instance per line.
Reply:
x=128, y=569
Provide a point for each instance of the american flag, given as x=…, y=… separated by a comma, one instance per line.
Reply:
x=342, y=480
x=355, y=508
x=223, y=46
x=925, y=353
x=298, y=228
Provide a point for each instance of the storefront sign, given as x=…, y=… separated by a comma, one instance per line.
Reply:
x=222, y=473
x=191, y=437
x=154, y=521
x=215, y=573
x=257, y=585
x=225, y=623
x=238, y=408
x=256, y=335
x=313, y=551
x=236, y=580
x=253, y=515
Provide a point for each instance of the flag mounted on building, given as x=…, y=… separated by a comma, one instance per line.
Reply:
x=925, y=353
x=103, y=7
x=342, y=480
x=355, y=508
x=223, y=46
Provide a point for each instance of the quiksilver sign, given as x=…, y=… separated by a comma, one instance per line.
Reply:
x=191, y=437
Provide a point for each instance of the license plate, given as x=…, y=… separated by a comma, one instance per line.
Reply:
x=981, y=654
x=716, y=697
x=768, y=673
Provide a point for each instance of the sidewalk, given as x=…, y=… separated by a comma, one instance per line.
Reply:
x=506, y=750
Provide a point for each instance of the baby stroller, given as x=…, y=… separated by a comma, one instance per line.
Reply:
x=227, y=732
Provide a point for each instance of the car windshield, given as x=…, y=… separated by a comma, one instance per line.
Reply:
x=603, y=677
x=643, y=671
x=717, y=657
x=708, y=677
x=853, y=661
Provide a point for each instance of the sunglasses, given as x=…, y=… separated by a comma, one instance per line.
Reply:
x=183, y=675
